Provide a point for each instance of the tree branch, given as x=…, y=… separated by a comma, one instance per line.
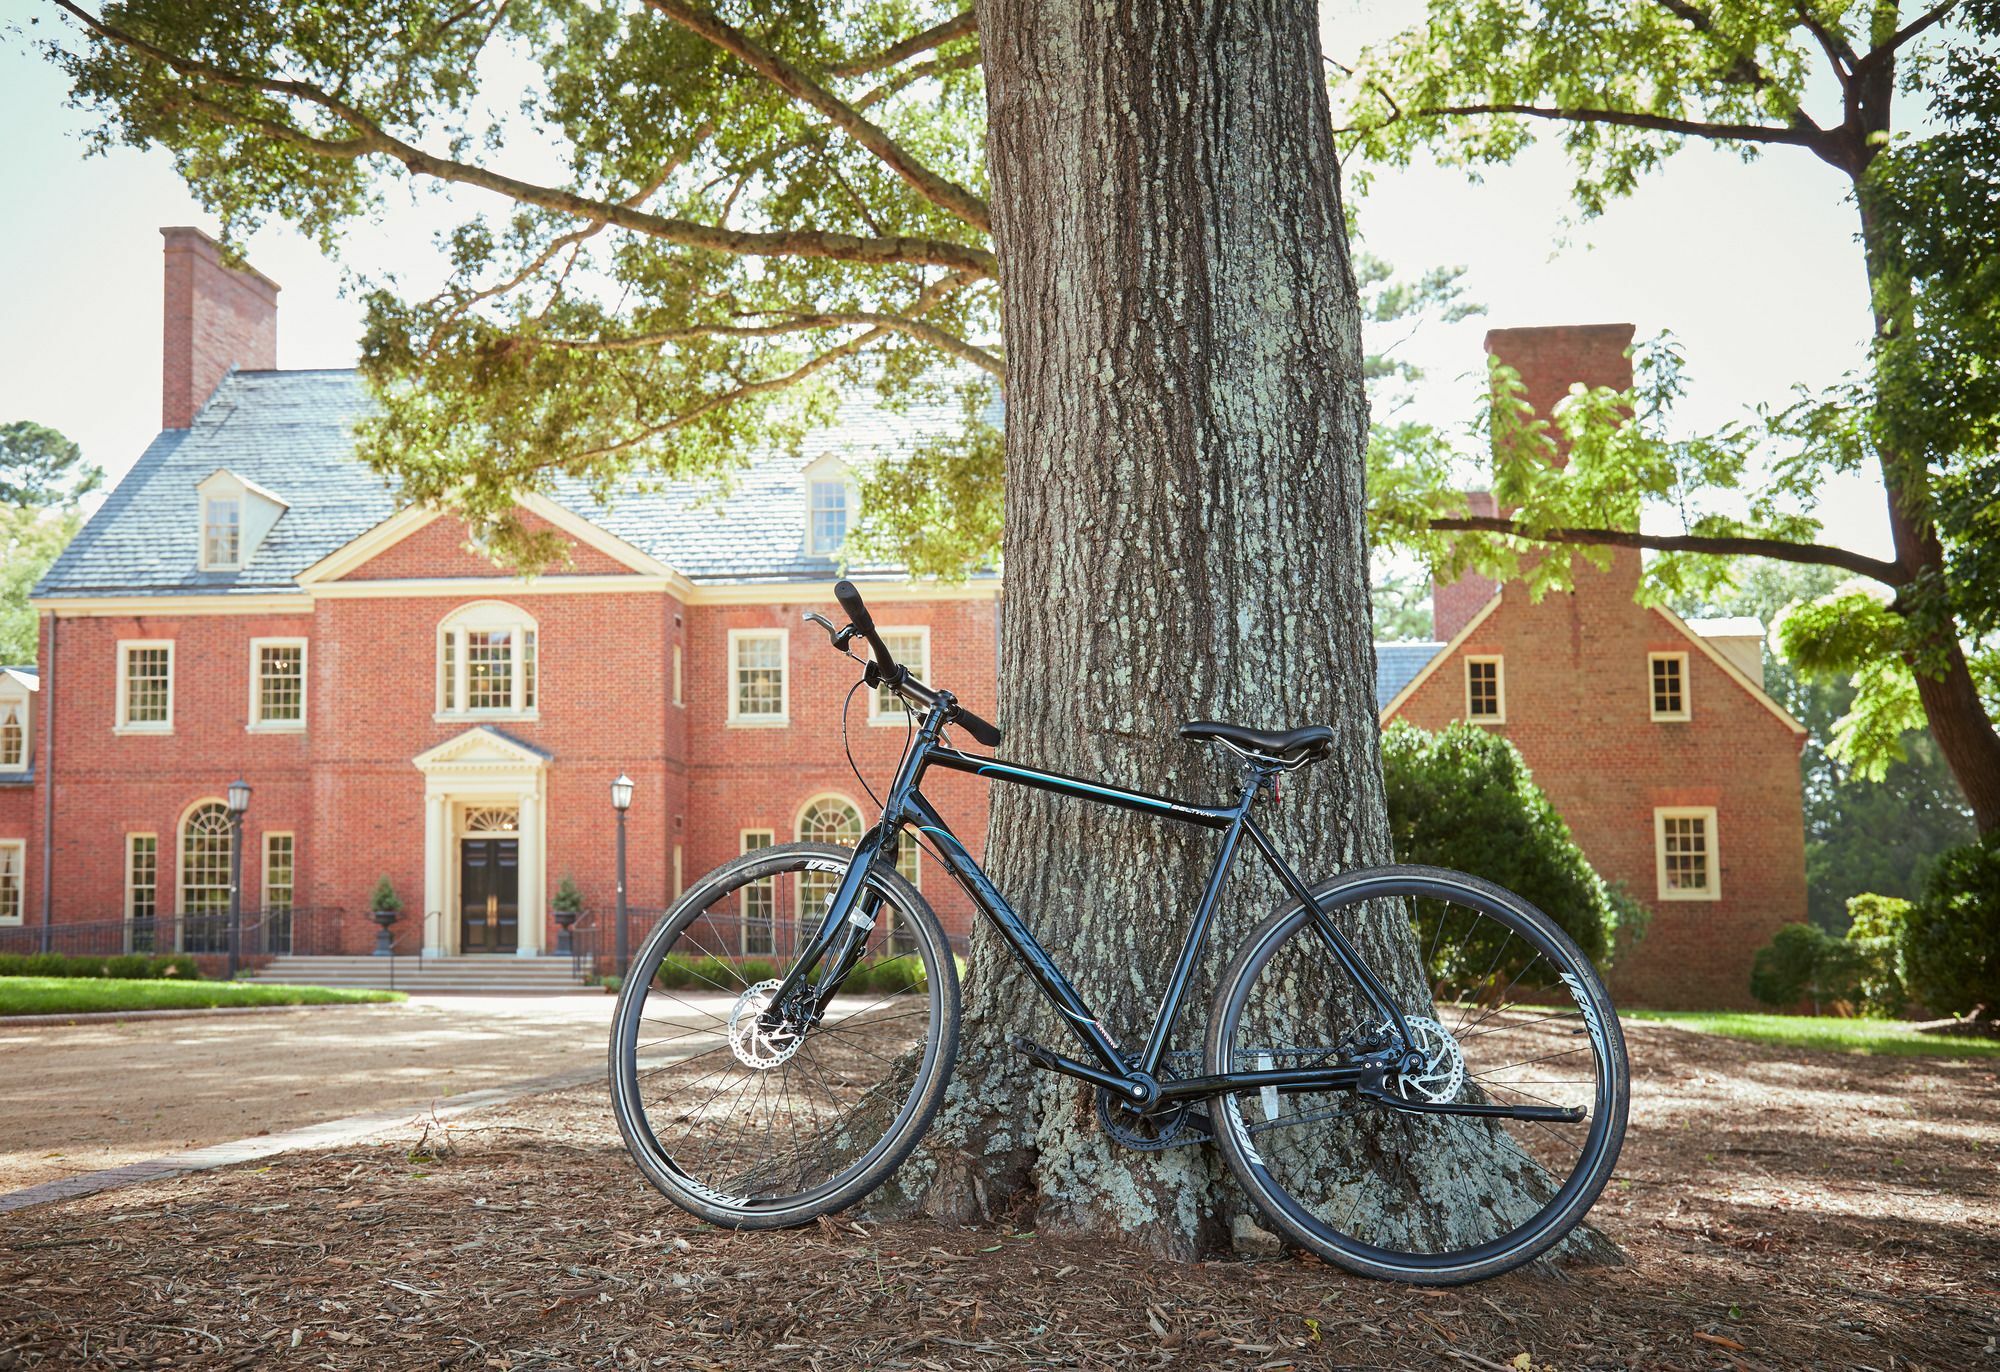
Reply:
x=1694, y=128
x=370, y=139
x=934, y=37
x=1929, y=17
x=946, y=194
x=1723, y=545
x=942, y=339
x=1839, y=52
x=1743, y=67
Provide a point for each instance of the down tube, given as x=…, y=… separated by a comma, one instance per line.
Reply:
x=987, y=897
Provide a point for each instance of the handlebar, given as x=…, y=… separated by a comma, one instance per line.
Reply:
x=898, y=677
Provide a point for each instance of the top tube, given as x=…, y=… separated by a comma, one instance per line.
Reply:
x=1207, y=816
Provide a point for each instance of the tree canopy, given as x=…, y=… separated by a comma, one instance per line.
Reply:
x=43, y=478
x=1912, y=126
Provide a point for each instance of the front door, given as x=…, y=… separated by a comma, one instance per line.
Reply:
x=489, y=894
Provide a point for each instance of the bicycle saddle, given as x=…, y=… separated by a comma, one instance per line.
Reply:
x=1309, y=744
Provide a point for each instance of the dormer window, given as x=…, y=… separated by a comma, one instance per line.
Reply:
x=828, y=505
x=13, y=735
x=236, y=516
x=222, y=533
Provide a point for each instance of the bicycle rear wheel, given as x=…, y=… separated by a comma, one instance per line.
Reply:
x=754, y=1128
x=1512, y=1014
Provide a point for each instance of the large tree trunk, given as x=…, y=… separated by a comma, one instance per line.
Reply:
x=1185, y=427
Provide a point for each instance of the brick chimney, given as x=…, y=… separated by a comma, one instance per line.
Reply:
x=217, y=317
x=1550, y=360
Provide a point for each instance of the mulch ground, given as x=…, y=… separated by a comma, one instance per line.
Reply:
x=1777, y=1209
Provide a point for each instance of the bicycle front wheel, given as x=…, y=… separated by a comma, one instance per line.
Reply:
x=753, y=1127
x=1505, y=1011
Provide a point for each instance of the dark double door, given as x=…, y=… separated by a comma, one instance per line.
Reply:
x=489, y=895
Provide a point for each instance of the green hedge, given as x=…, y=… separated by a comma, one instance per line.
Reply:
x=679, y=972
x=122, y=966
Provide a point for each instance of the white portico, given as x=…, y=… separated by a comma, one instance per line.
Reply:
x=485, y=844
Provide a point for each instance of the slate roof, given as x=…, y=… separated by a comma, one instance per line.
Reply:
x=292, y=433
x=1397, y=664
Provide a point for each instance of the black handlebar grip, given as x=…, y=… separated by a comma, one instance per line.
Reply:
x=985, y=733
x=857, y=613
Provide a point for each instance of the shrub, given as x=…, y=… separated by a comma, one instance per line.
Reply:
x=754, y=970
x=1951, y=935
x=897, y=974
x=1463, y=798
x=384, y=896
x=860, y=978
x=1875, y=931
x=125, y=966
x=1803, y=962
x=568, y=899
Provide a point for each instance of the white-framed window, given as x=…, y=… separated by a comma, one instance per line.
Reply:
x=759, y=900
x=1685, y=847
x=909, y=864
x=221, y=533
x=142, y=885
x=277, y=684
x=679, y=697
x=488, y=662
x=1486, y=690
x=823, y=819
x=145, y=686
x=206, y=843
x=826, y=515
x=14, y=735
x=911, y=647
x=280, y=870
x=759, y=691
x=1667, y=681
x=13, y=879
x=678, y=886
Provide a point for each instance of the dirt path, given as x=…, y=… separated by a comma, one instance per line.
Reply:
x=100, y=1094
x=1778, y=1210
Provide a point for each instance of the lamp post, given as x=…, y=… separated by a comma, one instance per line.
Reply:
x=621, y=801
x=239, y=801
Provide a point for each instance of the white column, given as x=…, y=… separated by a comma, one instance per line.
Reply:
x=530, y=829
x=437, y=846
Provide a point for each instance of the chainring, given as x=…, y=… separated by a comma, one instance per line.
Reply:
x=1178, y=1126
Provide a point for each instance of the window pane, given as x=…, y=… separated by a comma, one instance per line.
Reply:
x=449, y=666
x=760, y=901
x=1482, y=689
x=1667, y=686
x=13, y=738
x=825, y=821
x=829, y=515
x=278, y=872
x=146, y=685
x=1686, y=857
x=221, y=533
x=907, y=648
x=760, y=676
x=281, y=684
x=205, y=879
x=142, y=888
x=527, y=669
x=10, y=884
x=489, y=669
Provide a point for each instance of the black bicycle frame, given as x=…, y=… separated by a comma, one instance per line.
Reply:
x=843, y=930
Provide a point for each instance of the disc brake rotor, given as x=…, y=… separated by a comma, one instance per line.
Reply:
x=1438, y=1078
x=755, y=1046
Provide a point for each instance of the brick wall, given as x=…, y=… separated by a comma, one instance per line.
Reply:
x=441, y=548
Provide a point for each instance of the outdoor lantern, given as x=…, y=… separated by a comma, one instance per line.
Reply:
x=239, y=797
x=621, y=793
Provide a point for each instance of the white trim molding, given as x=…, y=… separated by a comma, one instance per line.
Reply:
x=453, y=679
x=737, y=719
x=121, y=722
x=1711, y=852
x=476, y=769
x=257, y=724
x=1499, y=665
x=14, y=869
x=1680, y=688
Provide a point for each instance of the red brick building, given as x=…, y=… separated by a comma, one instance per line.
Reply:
x=250, y=604
x=1653, y=736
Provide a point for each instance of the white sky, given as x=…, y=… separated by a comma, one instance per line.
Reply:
x=1753, y=266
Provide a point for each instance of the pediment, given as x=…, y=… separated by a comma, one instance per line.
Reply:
x=482, y=748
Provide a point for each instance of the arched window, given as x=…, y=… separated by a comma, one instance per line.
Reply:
x=13, y=737
x=825, y=819
x=486, y=660
x=205, y=840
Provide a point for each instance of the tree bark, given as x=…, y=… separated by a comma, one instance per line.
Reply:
x=1185, y=539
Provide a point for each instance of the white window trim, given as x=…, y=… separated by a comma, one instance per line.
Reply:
x=122, y=724
x=784, y=715
x=1686, y=712
x=18, y=700
x=799, y=834
x=486, y=614
x=1712, y=832
x=679, y=677
x=130, y=915
x=237, y=499
x=920, y=669
x=770, y=837
x=678, y=888
x=1499, y=687
x=264, y=871
x=19, y=847
x=257, y=724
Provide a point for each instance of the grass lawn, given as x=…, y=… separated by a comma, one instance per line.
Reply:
x=1885, y=1036
x=81, y=995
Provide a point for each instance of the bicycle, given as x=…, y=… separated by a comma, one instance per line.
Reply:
x=758, y=1085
